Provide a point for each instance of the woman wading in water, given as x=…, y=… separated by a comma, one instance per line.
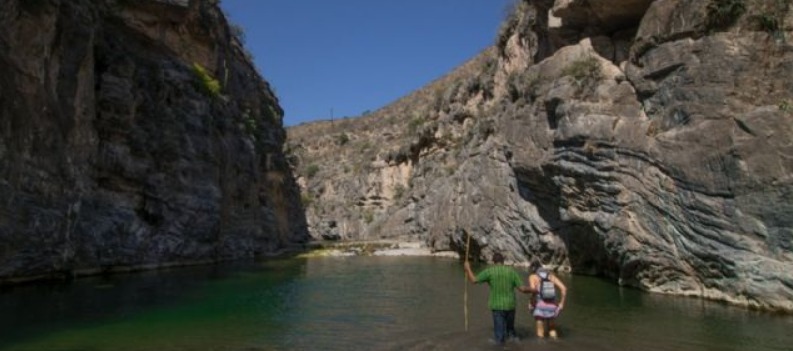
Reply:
x=543, y=304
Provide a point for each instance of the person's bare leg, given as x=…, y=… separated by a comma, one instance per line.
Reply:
x=552, y=329
x=540, y=328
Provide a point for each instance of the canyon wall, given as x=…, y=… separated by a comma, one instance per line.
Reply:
x=135, y=134
x=648, y=142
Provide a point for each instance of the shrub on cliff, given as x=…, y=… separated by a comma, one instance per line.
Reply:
x=342, y=139
x=522, y=86
x=517, y=20
x=368, y=216
x=207, y=83
x=306, y=200
x=585, y=71
x=786, y=106
x=249, y=124
x=414, y=124
x=772, y=19
x=723, y=13
x=312, y=170
x=399, y=190
x=237, y=32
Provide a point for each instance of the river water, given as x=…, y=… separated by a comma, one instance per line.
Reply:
x=355, y=303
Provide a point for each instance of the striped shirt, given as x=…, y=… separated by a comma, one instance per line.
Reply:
x=502, y=280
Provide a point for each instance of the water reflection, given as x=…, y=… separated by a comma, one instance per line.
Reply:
x=368, y=303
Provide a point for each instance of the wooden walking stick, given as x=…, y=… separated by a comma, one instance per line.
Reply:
x=465, y=280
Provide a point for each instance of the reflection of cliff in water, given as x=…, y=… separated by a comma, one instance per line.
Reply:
x=30, y=311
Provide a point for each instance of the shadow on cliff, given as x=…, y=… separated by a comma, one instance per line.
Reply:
x=581, y=245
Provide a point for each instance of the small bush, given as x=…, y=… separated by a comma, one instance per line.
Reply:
x=306, y=200
x=237, y=32
x=342, y=139
x=772, y=21
x=399, y=190
x=515, y=21
x=786, y=106
x=590, y=147
x=363, y=146
x=487, y=79
x=768, y=23
x=654, y=128
x=507, y=25
x=368, y=216
x=312, y=170
x=250, y=123
x=721, y=14
x=273, y=114
x=522, y=85
x=415, y=124
x=208, y=84
x=585, y=71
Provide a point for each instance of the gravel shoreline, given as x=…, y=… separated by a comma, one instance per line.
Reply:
x=374, y=248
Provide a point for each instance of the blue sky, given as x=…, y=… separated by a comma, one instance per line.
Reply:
x=344, y=57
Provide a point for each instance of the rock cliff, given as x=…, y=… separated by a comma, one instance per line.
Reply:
x=135, y=134
x=648, y=142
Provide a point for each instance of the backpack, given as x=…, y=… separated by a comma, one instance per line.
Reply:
x=547, y=289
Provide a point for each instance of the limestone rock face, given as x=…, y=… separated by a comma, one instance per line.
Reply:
x=135, y=134
x=631, y=142
x=602, y=15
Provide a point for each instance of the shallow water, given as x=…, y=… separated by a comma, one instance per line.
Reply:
x=364, y=303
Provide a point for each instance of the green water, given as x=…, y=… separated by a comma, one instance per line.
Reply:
x=363, y=303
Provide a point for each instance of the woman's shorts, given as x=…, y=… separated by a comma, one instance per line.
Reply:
x=545, y=310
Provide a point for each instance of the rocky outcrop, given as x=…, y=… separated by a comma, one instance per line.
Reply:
x=648, y=143
x=599, y=16
x=135, y=134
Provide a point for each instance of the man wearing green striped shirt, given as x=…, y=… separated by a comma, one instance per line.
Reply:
x=503, y=281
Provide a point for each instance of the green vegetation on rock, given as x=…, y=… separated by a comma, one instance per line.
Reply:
x=312, y=170
x=306, y=199
x=207, y=83
x=585, y=72
x=772, y=20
